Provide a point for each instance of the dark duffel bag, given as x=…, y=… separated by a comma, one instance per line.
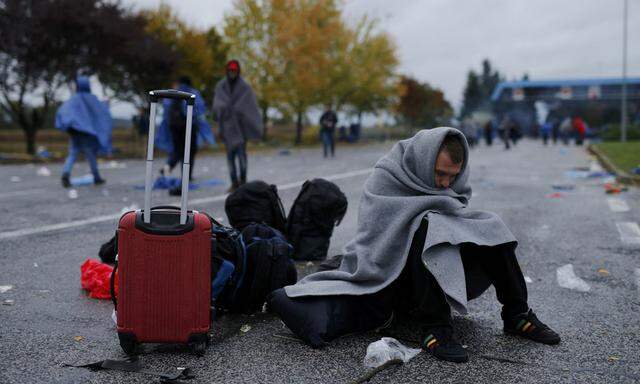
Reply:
x=255, y=202
x=319, y=207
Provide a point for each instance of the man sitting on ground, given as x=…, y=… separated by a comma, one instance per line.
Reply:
x=418, y=250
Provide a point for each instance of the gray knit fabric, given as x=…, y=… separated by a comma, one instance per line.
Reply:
x=399, y=193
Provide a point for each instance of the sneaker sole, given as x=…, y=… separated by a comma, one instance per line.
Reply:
x=542, y=341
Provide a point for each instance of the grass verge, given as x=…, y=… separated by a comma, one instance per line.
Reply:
x=625, y=156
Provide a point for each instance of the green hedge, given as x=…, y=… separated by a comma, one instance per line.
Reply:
x=612, y=133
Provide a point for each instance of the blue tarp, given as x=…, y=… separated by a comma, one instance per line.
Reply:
x=83, y=112
x=169, y=182
x=205, y=135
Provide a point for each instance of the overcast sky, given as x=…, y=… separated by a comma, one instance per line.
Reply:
x=439, y=41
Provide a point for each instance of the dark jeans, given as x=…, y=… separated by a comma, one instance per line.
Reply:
x=238, y=152
x=416, y=292
x=427, y=302
x=86, y=144
x=178, y=136
x=328, y=143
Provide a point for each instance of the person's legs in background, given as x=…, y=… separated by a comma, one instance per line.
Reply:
x=89, y=146
x=74, y=150
x=325, y=142
x=332, y=143
x=231, y=163
x=242, y=162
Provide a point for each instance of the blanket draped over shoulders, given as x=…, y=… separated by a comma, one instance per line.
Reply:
x=400, y=192
x=237, y=112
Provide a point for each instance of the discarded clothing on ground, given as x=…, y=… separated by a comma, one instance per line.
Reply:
x=95, y=277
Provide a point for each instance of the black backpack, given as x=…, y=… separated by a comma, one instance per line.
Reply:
x=269, y=266
x=319, y=207
x=261, y=257
x=255, y=202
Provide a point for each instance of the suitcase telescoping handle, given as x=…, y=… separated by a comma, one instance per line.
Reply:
x=154, y=96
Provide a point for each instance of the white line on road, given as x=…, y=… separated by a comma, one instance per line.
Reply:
x=617, y=205
x=21, y=193
x=205, y=200
x=629, y=232
x=637, y=275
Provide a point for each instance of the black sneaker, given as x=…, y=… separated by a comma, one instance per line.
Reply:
x=440, y=342
x=99, y=181
x=528, y=326
x=65, y=180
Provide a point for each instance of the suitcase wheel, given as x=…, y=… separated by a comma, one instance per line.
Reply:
x=129, y=344
x=198, y=344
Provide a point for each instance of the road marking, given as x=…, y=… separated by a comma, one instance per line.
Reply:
x=205, y=200
x=617, y=205
x=629, y=232
x=21, y=193
x=637, y=275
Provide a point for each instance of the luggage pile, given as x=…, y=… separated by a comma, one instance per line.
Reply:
x=176, y=269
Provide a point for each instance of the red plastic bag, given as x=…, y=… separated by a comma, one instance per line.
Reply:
x=95, y=277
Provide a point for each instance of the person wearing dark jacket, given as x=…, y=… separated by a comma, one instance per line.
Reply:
x=419, y=251
x=236, y=109
x=328, y=122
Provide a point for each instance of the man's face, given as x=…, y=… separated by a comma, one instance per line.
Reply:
x=446, y=170
x=232, y=74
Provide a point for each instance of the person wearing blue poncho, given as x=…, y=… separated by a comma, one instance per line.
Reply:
x=171, y=134
x=88, y=121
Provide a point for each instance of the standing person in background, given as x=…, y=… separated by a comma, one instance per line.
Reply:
x=171, y=134
x=505, y=130
x=328, y=122
x=236, y=109
x=580, y=129
x=141, y=122
x=555, y=130
x=565, y=130
x=88, y=121
x=488, y=132
x=545, y=131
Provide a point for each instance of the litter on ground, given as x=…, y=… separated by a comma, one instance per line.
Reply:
x=73, y=194
x=563, y=187
x=82, y=180
x=386, y=349
x=43, y=171
x=5, y=288
x=568, y=279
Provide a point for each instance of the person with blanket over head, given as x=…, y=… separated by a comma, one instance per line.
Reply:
x=88, y=122
x=236, y=108
x=419, y=251
x=172, y=131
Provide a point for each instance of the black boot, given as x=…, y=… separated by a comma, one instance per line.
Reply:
x=441, y=343
x=528, y=326
x=65, y=180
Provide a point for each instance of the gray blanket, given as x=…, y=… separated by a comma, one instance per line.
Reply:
x=237, y=112
x=397, y=196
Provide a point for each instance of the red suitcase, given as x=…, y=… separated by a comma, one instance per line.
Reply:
x=164, y=262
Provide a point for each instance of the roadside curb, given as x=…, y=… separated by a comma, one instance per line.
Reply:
x=622, y=176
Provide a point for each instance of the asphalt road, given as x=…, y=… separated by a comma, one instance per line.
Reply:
x=45, y=235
